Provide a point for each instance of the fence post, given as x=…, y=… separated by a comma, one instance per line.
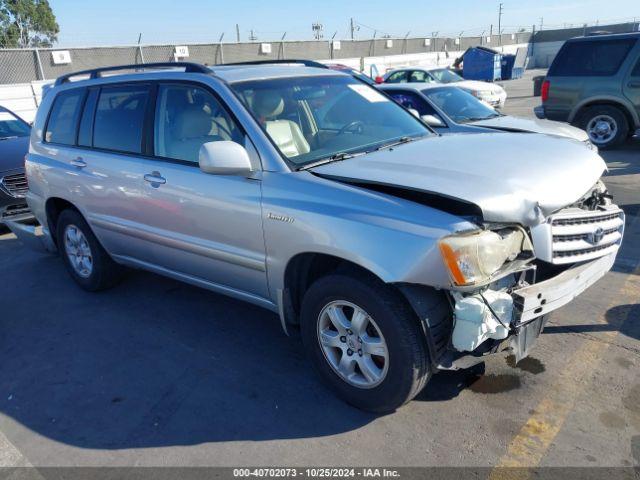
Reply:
x=141, y=53
x=39, y=63
x=532, y=44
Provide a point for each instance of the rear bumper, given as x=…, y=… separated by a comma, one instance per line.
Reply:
x=30, y=233
x=539, y=112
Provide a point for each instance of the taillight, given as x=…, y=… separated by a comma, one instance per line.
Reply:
x=379, y=79
x=544, y=92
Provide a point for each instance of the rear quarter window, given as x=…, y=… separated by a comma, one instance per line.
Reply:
x=592, y=58
x=63, y=119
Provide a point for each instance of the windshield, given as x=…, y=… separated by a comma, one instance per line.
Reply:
x=315, y=118
x=443, y=75
x=11, y=126
x=460, y=106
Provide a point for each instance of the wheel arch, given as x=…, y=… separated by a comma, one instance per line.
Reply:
x=54, y=206
x=305, y=268
x=626, y=108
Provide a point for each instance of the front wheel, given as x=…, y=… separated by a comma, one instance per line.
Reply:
x=365, y=342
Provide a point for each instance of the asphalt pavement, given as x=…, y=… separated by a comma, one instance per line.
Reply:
x=158, y=373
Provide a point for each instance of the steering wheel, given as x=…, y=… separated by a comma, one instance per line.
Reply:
x=352, y=127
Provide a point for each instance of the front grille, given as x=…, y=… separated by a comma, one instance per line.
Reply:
x=578, y=235
x=15, y=185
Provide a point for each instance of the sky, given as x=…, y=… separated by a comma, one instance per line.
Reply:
x=119, y=22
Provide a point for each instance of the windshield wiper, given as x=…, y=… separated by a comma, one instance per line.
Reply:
x=395, y=143
x=477, y=119
x=336, y=157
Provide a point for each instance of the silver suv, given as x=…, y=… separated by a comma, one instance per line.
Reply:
x=396, y=252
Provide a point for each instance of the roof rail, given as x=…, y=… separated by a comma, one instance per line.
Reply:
x=189, y=67
x=306, y=63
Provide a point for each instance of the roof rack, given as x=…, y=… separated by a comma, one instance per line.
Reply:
x=189, y=67
x=306, y=63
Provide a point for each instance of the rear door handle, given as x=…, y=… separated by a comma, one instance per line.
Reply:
x=155, y=179
x=633, y=84
x=78, y=162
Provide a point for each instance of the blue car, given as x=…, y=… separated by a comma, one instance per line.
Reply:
x=14, y=145
x=449, y=109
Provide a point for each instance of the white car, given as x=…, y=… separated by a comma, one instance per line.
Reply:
x=491, y=93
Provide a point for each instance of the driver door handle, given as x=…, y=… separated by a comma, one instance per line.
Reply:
x=634, y=84
x=78, y=162
x=155, y=179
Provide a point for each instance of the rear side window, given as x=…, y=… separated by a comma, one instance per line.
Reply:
x=398, y=77
x=63, y=119
x=636, y=69
x=119, y=118
x=596, y=58
x=419, y=76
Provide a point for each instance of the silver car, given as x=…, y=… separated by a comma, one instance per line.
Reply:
x=398, y=253
x=492, y=93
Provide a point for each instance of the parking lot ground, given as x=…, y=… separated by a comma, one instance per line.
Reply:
x=155, y=372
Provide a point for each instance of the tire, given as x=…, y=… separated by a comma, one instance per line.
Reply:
x=406, y=369
x=103, y=273
x=615, y=127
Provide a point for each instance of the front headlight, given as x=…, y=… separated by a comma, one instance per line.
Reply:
x=475, y=257
x=485, y=93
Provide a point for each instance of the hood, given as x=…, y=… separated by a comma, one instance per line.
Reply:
x=548, y=127
x=12, y=152
x=478, y=86
x=511, y=177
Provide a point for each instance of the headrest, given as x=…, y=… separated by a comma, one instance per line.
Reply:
x=192, y=123
x=267, y=103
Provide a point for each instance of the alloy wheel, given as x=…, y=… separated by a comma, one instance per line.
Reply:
x=78, y=251
x=353, y=344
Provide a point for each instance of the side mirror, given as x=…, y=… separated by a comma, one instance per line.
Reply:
x=224, y=158
x=432, y=121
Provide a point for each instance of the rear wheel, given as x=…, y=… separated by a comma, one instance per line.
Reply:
x=606, y=125
x=364, y=341
x=86, y=261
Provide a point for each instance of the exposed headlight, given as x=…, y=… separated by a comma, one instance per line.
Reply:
x=473, y=258
x=486, y=93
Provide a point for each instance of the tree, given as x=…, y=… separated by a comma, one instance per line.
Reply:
x=27, y=23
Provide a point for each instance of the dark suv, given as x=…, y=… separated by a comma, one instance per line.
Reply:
x=594, y=83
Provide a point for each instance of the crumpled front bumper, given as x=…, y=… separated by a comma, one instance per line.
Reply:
x=532, y=304
x=544, y=297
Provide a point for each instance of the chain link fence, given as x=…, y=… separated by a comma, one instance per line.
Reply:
x=28, y=65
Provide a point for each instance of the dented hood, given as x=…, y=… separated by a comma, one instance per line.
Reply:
x=533, y=125
x=511, y=177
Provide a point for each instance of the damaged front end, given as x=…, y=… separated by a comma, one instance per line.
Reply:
x=505, y=279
